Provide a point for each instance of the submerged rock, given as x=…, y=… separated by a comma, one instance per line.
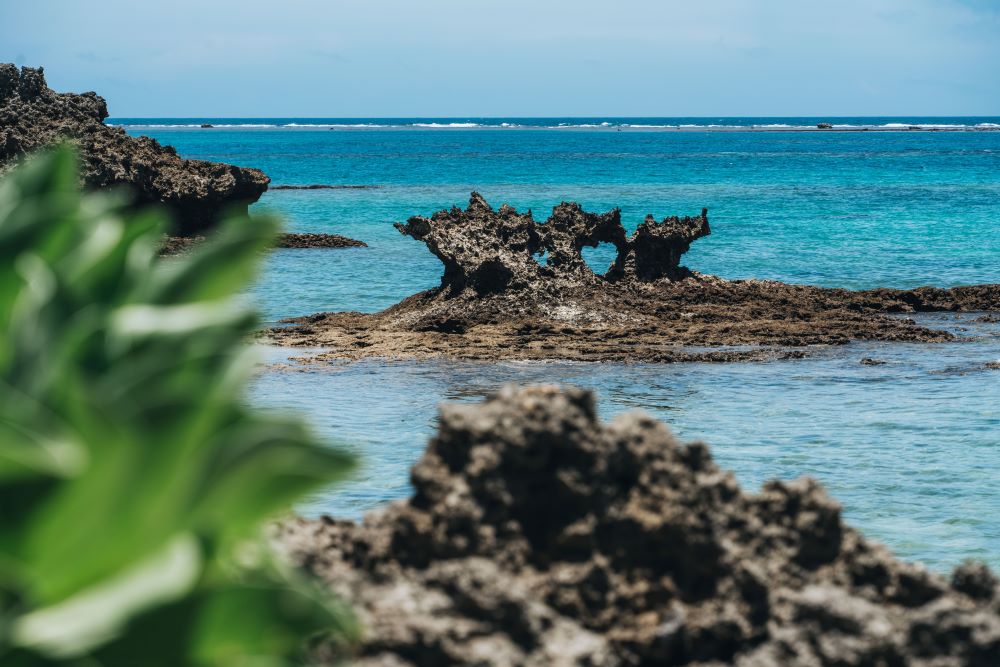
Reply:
x=173, y=245
x=538, y=535
x=514, y=288
x=196, y=192
x=318, y=241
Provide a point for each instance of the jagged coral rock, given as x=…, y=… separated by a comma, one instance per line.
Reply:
x=538, y=535
x=514, y=288
x=655, y=249
x=32, y=117
x=493, y=251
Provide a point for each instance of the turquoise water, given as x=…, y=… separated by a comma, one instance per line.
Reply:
x=911, y=448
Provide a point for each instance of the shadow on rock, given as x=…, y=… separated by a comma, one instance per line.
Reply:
x=538, y=535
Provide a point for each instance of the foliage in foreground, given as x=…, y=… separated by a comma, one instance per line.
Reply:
x=133, y=480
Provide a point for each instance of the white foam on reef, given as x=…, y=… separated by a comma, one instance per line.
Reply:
x=156, y=125
x=439, y=125
x=667, y=127
x=196, y=125
x=334, y=125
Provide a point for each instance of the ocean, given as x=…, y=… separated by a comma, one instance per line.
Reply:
x=911, y=448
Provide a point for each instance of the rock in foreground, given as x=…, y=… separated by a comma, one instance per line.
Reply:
x=196, y=192
x=537, y=535
x=514, y=288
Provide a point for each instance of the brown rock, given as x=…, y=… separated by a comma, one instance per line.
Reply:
x=173, y=245
x=318, y=241
x=537, y=535
x=514, y=288
x=196, y=192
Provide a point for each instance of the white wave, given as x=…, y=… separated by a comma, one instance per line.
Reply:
x=772, y=125
x=988, y=125
x=446, y=125
x=924, y=126
x=334, y=125
x=198, y=125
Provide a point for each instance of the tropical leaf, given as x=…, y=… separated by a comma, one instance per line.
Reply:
x=131, y=470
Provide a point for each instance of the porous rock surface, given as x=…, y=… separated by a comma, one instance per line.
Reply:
x=196, y=192
x=175, y=245
x=515, y=288
x=538, y=535
x=495, y=251
x=318, y=241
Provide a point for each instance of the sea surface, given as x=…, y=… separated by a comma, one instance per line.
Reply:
x=911, y=448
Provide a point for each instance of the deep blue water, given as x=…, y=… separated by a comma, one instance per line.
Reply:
x=912, y=448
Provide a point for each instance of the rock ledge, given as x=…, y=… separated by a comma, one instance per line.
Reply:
x=514, y=288
x=32, y=117
x=537, y=535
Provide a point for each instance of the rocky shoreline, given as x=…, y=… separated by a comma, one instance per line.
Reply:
x=538, y=535
x=196, y=193
x=514, y=288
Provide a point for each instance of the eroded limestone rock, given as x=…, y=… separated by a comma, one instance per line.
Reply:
x=538, y=535
x=196, y=192
x=492, y=251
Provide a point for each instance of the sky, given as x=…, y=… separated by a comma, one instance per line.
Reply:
x=451, y=58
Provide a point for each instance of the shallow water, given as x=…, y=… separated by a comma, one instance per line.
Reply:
x=911, y=448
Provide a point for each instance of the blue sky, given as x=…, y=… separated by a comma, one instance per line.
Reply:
x=356, y=58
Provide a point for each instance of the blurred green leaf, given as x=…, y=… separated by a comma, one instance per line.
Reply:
x=131, y=471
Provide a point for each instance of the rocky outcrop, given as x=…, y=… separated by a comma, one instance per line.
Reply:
x=495, y=251
x=318, y=241
x=173, y=245
x=514, y=288
x=538, y=535
x=196, y=192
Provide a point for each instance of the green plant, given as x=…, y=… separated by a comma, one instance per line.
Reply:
x=133, y=479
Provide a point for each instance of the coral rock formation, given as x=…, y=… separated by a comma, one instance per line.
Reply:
x=173, y=245
x=318, y=241
x=514, y=288
x=495, y=251
x=32, y=117
x=537, y=535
